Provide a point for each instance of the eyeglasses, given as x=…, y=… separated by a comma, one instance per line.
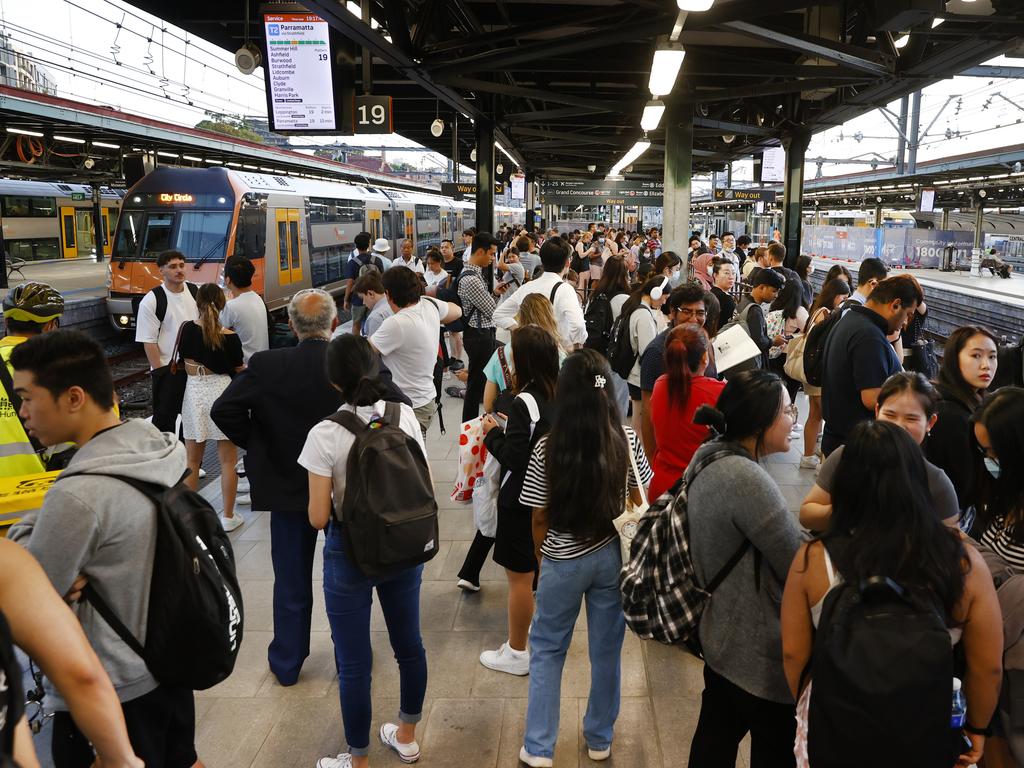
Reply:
x=698, y=313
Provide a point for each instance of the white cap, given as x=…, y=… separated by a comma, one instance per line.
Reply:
x=381, y=245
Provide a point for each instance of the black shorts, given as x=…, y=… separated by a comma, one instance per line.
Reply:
x=161, y=728
x=513, y=541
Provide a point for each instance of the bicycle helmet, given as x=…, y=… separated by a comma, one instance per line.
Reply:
x=33, y=303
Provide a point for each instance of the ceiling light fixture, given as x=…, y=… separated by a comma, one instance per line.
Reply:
x=936, y=21
x=695, y=6
x=651, y=117
x=668, y=58
x=627, y=159
x=23, y=132
x=901, y=42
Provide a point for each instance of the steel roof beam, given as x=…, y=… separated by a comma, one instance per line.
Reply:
x=768, y=89
x=544, y=115
x=561, y=135
x=846, y=55
x=485, y=86
x=727, y=126
x=988, y=71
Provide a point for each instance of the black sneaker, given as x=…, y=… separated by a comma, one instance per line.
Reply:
x=458, y=392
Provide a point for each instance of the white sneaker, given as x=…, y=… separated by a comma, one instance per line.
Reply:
x=810, y=462
x=505, y=659
x=468, y=586
x=597, y=755
x=243, y=485
x=534, y=761
x=407, y=753
x=244, y=499
x=202, y=473
x=231, y=523
x=344, y=760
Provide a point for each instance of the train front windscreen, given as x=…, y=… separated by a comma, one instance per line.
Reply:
x=143, y=234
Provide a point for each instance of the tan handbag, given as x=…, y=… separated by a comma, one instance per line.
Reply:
x=626, y=523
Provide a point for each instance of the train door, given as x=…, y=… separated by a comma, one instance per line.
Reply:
x=109, y=220
x=69, y=233
x=410, y=225
x=289, y=256
x=373, y=224
x=85, y=225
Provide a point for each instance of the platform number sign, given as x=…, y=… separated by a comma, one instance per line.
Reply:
x=373, y=114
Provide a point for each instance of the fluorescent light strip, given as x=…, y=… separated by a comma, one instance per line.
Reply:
x=168, y=154
x=665, y=69
x=651, y=117
x=23, y=132
x=70, y=139
x=192, y=158
x=505, y=152
x=105, y=145
x=630, y=157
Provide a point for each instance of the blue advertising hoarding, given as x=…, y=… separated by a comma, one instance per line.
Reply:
x=896, y=246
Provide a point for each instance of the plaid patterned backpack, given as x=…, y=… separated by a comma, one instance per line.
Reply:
x=661, y=597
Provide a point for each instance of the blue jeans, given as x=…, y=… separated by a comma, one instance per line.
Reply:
x=349, y=595
x=564, y=584
x=292, y=546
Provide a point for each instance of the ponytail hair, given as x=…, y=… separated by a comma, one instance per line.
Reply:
x=354, y=369
x=210, y=301
x=684, y=351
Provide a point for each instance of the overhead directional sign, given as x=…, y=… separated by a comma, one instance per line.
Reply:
x=745, y=195
x=460, y=189
x=601, y=192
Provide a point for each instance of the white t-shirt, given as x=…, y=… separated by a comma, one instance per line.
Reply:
x=414, y=264
x=328, y=444
x=181, y=308
x=408, y=343
x=568, y=312
x=246, y=315
x=643, y=327
x=434, y=279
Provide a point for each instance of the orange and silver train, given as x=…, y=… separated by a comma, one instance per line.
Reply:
x=298, y=232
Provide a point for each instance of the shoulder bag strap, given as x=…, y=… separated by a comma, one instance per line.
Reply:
x=392, y=414
x=635, y=468
x=177, y=343
x=554, y=290
x=160, y=296
x=505, y=370
x=91, y=596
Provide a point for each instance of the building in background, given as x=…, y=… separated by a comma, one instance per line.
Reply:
x=18, y=70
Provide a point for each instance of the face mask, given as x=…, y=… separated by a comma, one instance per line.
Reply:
x=675, y=274
x=993, y=467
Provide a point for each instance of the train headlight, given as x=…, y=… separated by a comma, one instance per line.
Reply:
x=123, y=320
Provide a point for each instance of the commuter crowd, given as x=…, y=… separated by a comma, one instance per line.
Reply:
x=620, y=407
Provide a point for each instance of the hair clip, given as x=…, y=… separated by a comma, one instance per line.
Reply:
x=599, y=382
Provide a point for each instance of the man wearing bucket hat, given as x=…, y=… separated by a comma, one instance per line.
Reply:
x=29, y=310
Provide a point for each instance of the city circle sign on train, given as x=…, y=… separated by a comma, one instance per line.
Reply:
x=601, y=192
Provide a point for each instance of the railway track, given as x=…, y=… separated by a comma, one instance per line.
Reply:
x=128, y=367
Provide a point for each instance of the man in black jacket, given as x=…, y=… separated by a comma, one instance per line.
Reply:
x=268, y=409
x=767, y=284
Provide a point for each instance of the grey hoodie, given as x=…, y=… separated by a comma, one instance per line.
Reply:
x=106, y=529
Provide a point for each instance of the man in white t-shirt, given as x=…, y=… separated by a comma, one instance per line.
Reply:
x=161, y=313
x=408, y=341
x=554, y=257
x=245, y=313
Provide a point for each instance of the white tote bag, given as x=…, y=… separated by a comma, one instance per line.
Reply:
x=626, y=523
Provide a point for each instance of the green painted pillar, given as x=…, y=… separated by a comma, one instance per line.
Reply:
x=678, y=179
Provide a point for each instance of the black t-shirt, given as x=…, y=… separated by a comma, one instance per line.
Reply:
x=857, y=357
x=453, y=267
x=223, y=360
x=727, y=303
x=12, y=699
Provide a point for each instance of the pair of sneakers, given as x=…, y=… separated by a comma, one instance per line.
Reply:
x=536, y=761
x=407, y=753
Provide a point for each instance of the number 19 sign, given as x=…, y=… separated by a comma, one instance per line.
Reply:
x=372, y=115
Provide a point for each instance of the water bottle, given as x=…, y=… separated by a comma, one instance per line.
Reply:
x=959, y=705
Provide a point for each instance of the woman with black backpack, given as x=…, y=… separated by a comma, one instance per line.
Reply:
x=893, y=687
x=743, y=536
x=604, y=306
x=576, y=483
x=352, y=367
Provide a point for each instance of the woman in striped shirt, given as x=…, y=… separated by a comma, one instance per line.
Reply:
x=576, y=489
x=999, y=432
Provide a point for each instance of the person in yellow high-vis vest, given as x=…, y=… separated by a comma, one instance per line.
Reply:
x=29, y=309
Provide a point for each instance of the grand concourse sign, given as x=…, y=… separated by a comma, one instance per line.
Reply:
x=601, y=192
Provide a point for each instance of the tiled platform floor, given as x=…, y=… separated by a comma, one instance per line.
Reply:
x=473, y=717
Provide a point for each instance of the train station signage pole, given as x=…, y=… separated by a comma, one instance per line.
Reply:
x=793, y=193
x=678, y=179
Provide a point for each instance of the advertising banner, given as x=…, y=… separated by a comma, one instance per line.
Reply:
x=896, y=246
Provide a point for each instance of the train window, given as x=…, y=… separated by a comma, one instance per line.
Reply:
x=282, y=246
x=24, y=206
x=293, y=232
x=128, y=235
x=251, y=235
x=44, y=206
x=385, y=218
x=428, y=213
x=46, y=249
x=202, y=235
x=158, y=235
x=69, y=231
x=323, y=210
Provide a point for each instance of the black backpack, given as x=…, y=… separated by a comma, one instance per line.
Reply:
x=195, y=619
x=160, y=294
x=814, y=347
x=450, y=293
x=621, y=354
x=599, y=318
x=388, y=514
x=881, y=674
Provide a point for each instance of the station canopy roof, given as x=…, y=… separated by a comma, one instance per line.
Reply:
x=566, y=80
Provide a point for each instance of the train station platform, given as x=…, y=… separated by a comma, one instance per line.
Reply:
x=473, y=716
x=74, y=278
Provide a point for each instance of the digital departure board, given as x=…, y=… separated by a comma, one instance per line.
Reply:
x=301, y=87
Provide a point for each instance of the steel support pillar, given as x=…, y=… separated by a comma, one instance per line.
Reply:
x=795, y=144
x=878, y=216
x=915, y=126
x=979, y=224
x=485, y=176
x=100, y=237
x=531, y=202
x=675, y=234
x=901, y=144
x=944, y=223
x=455, y=147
